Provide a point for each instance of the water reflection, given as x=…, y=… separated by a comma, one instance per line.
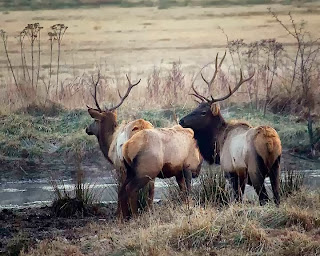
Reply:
x=28, y=193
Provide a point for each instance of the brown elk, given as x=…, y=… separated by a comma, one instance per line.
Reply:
x=111, y=136
x=162, y=153
x=246, y=154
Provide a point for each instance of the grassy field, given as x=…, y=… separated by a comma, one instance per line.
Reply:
x=161, y=4
x=171, y=229
x=63, y=131
x=136, y=39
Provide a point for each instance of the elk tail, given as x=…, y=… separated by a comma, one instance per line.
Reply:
x=132, y=147
x=267, y=145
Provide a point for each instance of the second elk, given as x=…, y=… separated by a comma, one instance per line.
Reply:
x=247, y=154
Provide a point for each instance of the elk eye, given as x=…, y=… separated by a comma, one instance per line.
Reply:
x=203, y=113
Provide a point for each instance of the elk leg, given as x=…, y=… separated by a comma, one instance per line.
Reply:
x=121, y=177
x=150, y=194
x=123, y=200
x=275, y=180
x=133, y=202
x=182, y=185
x=262, y=192
x=243, y=178
x=234, y=180
x=187, y=178
x=132, y=189
x=257, y=173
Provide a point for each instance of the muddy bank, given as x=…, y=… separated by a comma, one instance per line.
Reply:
x=25, y=227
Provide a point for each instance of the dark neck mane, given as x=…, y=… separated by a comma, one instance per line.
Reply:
x=207, y=139
x=211, y=139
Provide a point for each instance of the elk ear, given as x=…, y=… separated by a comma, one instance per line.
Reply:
x=114, y=112
x=95, y=114
x=135, y=128
x=215, y=109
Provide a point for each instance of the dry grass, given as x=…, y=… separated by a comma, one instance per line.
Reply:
x=120, y=41
x=290, y=229
x=57, y=248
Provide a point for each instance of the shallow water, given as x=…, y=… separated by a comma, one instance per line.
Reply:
x=39, y=192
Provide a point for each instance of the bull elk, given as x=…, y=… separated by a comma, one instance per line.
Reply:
x=162, y=153
x=111, y=136
x=247, y=154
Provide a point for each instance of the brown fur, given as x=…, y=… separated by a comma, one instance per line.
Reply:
x=107, y=131
x=267, y=144
x=163, y=153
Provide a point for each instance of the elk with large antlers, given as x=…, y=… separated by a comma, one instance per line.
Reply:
x=107, y=130
x=247, y=154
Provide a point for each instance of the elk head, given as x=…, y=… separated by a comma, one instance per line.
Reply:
x=105, y=120
x=206, y=120
x=207, y=114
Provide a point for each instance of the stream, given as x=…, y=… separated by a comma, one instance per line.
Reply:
x=39, y=191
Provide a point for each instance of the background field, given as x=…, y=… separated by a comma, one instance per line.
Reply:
x=134, y=40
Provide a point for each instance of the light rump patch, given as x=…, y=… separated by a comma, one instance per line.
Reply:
x=125, y=133
x=267, y=144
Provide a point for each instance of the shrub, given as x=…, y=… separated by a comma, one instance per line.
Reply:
x=291, y=182
x=212, y=189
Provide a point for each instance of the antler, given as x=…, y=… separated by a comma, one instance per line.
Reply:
x=126, y=95
x=198, y=95
x=94, y=94
x=235, y=88
x=210, y=83
x=217, y=67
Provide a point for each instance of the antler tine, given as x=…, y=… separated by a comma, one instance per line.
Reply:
x=205, y=80
x=196, y=94
x=94, y=95
x=217, y=67
x=235, y=88
x=199, y=102
x=126, y=94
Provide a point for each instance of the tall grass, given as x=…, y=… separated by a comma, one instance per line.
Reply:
x=291, y=182
x=77, y=201
x=212, y=188
x=240, y=229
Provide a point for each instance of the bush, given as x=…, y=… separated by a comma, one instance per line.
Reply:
x=212, y=189
x=51, y=109
x=75, y=202
x=291, y=182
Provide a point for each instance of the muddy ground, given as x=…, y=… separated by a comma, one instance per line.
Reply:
x=25, y=227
